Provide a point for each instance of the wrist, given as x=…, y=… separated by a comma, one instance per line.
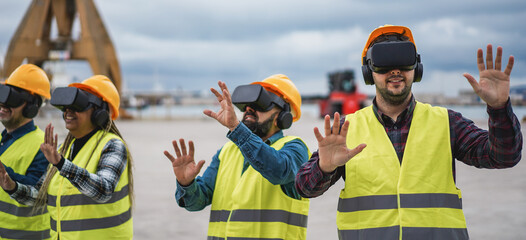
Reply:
x=13, y=188
x=324, y=168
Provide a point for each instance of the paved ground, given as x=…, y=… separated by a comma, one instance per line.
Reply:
x=494, y=200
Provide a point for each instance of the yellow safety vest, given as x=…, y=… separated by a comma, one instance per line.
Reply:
x=247, y=206
x=417, y=199
x=75, y=216
x=18, y=221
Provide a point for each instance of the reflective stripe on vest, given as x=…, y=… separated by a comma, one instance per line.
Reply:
x=409, y=233
x=420, y=200
x=81, y=199
x=18, y=221
x=23, y=234
x=384, y=199
x=76, y=216
x=90, y=224
x=264, y=211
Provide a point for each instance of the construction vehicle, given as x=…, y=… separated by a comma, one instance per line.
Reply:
x=343, y=95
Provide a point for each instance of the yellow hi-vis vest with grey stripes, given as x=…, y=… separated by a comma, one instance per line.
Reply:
x=18, y=221
x=247, y=206
x=76, y=216
x=415, y=200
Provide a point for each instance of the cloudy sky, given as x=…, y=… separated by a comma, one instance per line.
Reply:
x=191, y=45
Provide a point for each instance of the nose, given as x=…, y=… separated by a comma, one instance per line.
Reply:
x=251, y=109
x=395, y=71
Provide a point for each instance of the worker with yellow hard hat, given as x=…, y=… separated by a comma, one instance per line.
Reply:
x=397, y=156
x=21, y=97
x=88, y=188
x=250, y=181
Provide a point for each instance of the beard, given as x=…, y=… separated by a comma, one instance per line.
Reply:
x=11, y=122
x=395, y=98
x=260, y=129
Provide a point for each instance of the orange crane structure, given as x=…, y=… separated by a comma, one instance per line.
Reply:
x=33, y=43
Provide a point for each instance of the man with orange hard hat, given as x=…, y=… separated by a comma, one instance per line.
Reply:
x=396, y=156
x=250, y=181
x=21, y=97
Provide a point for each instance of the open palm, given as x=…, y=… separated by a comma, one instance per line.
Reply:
x=333, y=151
x=494, y=84
x=184, y=166
x=226, y=115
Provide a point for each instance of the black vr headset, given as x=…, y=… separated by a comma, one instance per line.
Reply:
x=256, y=97
x=14, y=97
x=384, y=56
x=79, y=101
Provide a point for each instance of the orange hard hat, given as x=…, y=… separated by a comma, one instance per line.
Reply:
x=386, y=29
x=30, y=78
x=102, y=87
x=282, y=86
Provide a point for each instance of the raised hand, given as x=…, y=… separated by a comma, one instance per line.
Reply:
x=332, y=149
x=49, y=147
x=226, y=115
x=494, y=84
x=5, y=181
x=184, y=166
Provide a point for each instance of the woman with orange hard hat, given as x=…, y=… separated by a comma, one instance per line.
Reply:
x=88, y=187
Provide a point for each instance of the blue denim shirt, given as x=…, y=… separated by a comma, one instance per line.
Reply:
x=39, y=164
x=278, y=167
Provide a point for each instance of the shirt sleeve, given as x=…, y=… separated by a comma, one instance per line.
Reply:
x=100, y=185
x=198, y=194
x=498, y=147
x=279, y=167
x=27, y=194
x=33, y=173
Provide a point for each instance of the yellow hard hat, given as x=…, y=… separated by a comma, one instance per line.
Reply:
x=30, y=78
x=102, y=87
x=282, y=86
x=386, y=29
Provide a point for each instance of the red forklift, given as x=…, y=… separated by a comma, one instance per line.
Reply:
x=343, y=95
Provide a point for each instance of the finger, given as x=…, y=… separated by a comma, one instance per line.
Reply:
x=472, y=81
x=227, y=95
x=169, y=156
x=317, y=134
x=183, y=147
x=209, y=113
x=345, y=128
x=509, y=67
x=489, y=57
x=199, y=166
x=47, y=133
x=176, y=149
x=498, y=59
x=55, y=143
x=327, y=125
x=191, y=146
x=336, y=124
x=217, y=94
x=480, y=60
x=356, y=150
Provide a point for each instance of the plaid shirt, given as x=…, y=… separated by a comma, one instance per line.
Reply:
x=500, y=147
x=99, y=186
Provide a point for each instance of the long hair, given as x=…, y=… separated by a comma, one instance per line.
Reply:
x=41, y=201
